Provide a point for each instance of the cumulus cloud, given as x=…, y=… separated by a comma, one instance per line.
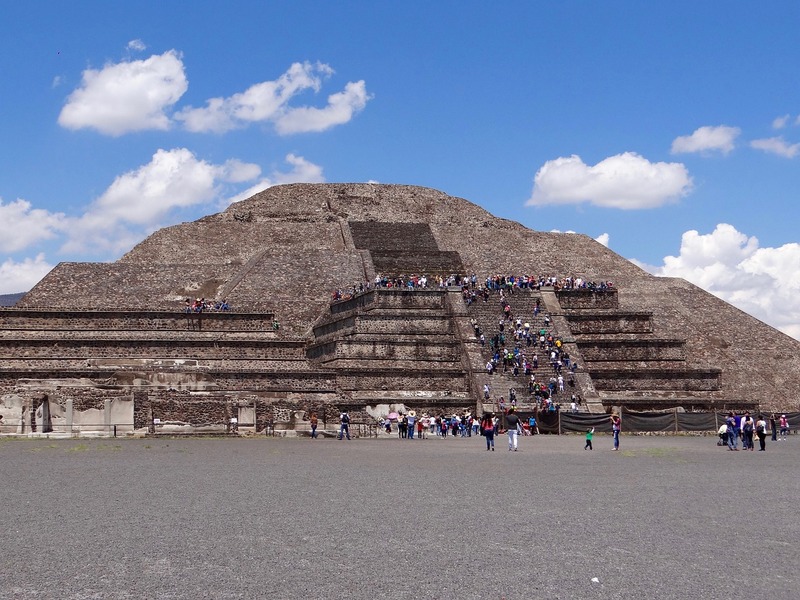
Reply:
x=776, y=145
x=126, y=96
x=706, y=139
x=268, y=101
x=763, y=282
x=626, y=181
x=22, y=226
x=340, y=109
x=141, y=199
x=603, y=238
x=21, y=276
x=302, y=171
x=780, y=122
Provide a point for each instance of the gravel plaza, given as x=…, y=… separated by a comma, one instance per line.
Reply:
x=665, y=517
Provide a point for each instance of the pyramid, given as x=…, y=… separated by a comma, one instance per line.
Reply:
x=90, y=334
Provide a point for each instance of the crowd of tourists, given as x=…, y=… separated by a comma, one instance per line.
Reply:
x=407, y=282
x=745, y=428
x=509, y=283
x=515, y=349
x=410, y=426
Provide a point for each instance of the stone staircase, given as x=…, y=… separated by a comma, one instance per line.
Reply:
x=404, y=249
x=488, y=315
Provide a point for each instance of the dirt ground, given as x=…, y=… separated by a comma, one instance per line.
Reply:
x=665, y=517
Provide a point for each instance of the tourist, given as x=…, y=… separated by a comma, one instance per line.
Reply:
x=344, y=428
x=733, y=438
x=314, y=421
x=589, y=434
x=616, y=425
x=784, y=423
x=487, y=428
x=532, y=426
x=748, y=426
x=411, y=421
x=772, y=427
x=723, y=435
x=513, y=424
x=761, y=432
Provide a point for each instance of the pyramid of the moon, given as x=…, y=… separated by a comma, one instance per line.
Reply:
x=93, y=336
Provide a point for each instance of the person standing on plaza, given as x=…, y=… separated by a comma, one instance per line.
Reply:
x=513, y=424
x=411, y=421
x=616, y=425
x=761, y=432
x=314, y=422
x=487, y=427
x=784, y=423
x=589, y=434
x=344, y=428
x=733, y=437
x=748, y=427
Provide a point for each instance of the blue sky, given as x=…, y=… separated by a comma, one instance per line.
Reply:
x=670, y=131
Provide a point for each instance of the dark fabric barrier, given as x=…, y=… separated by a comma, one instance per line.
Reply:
x=639, y=422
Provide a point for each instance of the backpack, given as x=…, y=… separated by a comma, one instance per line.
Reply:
x=748, y=426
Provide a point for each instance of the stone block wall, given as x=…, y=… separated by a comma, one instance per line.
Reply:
x=581, y=299
x=631, y=350
x=610, y=323
x=130, y=320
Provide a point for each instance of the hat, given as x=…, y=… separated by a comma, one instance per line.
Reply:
x=783, y=416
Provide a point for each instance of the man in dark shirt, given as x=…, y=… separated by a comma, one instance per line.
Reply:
x=513, y=425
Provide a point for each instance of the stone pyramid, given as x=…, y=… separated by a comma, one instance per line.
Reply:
x=119, y=328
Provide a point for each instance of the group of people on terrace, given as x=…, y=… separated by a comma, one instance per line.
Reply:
x=509, y=283
x=409, y=282
x=202, y=305
x=745, y=428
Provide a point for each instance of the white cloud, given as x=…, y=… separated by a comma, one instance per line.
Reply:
x=236, y=171
x=22, y=226
x=127, y=96
x=268, y=102
x=763, y=282
x=136, y=45
x=302, y=171
x=626, y=181
x=340, y=109
x=776, y=145
x=719, y=138
x=21, y=276
x=141, y=199
x=780, y=122
x=603, y=238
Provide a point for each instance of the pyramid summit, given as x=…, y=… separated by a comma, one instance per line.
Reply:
x=308, y=330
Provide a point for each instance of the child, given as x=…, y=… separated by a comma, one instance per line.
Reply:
x=589, y=434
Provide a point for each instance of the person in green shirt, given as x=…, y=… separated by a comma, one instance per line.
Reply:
x=589, y=434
